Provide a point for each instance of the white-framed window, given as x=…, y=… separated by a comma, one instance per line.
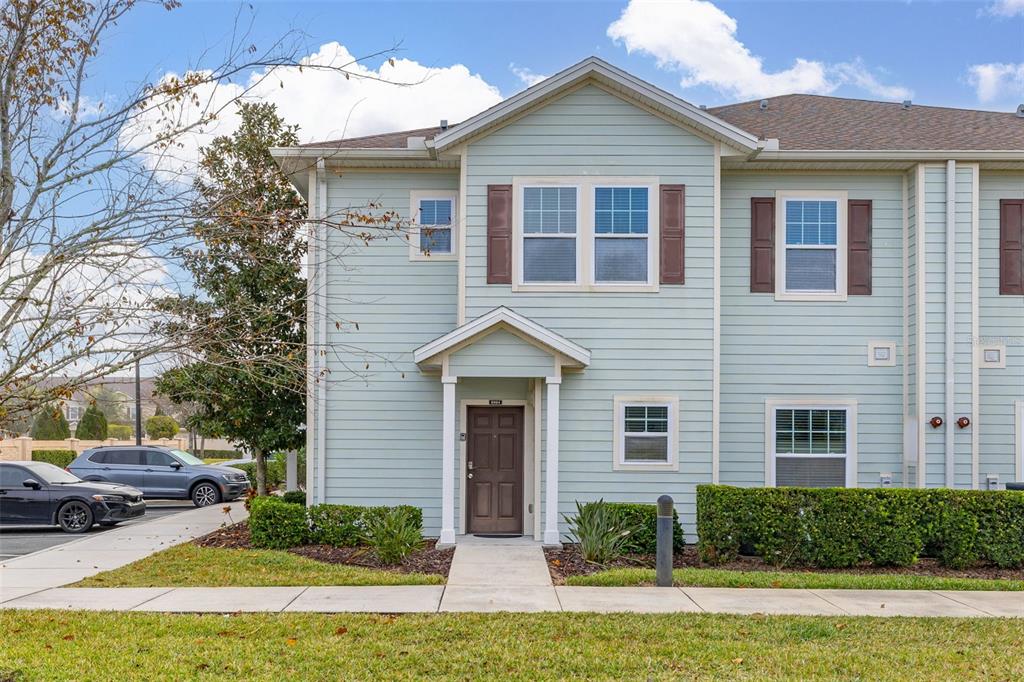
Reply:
x=646, y=432
x=74, y=413
x=622, y=251
x=550, y=244
x=585, y=234
x=433, y=234
x=810, y=246
x=811, y=442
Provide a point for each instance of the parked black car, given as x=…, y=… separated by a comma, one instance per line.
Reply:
x=40, y=493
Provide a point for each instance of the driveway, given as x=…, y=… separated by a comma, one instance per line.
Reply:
x=18, y=541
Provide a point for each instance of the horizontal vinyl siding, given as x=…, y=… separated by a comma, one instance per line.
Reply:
x=1002, y=319
x=501, y=354
x=788, y=349
x=383, y=418
x=935, y=322
x=963, y=342
x=654, y=343
x=910, y=352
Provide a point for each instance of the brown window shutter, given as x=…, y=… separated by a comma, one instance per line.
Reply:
x=499, y=234
x=672, y=210
x=1011, y=247
x=762, y=244
x=858, y=257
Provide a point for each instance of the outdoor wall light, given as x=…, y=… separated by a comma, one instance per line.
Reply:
x=963, y=422
x=936, y=422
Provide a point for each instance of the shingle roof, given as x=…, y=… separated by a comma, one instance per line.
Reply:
x=819, y=122
x=825, y=123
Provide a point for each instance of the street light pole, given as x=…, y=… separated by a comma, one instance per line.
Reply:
x=138, y=405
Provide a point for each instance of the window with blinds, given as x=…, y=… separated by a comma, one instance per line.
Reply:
x=812, y=246
x=645, y=432
x=810, y=446
x=435, y=221
x=621, y=244
x=549, y=234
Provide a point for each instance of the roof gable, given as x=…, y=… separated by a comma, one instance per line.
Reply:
x=613, y=79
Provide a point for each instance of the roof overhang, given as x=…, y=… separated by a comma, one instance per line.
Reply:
x=576, y=356
x=611, y=77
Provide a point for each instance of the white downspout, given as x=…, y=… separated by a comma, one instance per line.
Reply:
x=311, y=345
x=321, y=323
x=950, y=317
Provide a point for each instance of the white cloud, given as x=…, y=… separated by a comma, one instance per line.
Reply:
x=525, y=75
x=698, y=39
x=1006, y=8
x=327, y=105
x=997, y=80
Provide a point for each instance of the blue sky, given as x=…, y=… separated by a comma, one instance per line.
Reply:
x=965, y=54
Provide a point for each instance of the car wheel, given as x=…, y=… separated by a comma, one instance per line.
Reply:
x=75, y=517
x=205, y=494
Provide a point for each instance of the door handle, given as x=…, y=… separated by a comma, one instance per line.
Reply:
x=469, y=465
x=469, y=475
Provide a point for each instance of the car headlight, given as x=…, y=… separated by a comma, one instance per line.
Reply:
x=108, y=498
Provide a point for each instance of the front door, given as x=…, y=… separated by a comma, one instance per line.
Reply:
x=494, y=470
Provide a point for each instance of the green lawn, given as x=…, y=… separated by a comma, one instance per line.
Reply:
x=55, y=645
x=189, y=565
x=710, y=577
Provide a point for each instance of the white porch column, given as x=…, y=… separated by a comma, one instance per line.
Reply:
x=291, y=471
x=448, y=463
x=551, y=483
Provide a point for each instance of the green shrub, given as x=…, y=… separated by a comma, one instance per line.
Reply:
x=210, y=453
x=120, y=431
x=276, y=524
x=161, y=426
x=841, y=527
x=393, y=534
x=344, y=525
x=50, y=424
x=60, y=458
x=295, y=497
x=276, y=470
x=601, y=532
x=92, y=425
x=643, y=519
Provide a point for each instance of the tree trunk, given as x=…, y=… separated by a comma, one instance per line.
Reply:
x=261, y=472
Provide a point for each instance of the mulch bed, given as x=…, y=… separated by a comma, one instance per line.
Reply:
x=427, y=560
x=568, y=561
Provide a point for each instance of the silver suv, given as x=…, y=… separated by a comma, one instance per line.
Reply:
x=161, y=473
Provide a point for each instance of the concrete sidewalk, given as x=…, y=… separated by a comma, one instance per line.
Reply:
x=93, y=553
x=436, y=598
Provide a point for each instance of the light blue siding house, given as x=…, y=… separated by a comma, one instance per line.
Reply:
x=598, y=290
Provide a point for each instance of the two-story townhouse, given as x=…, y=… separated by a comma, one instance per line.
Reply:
x=607, y=292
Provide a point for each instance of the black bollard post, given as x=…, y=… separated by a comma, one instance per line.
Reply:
x=664, y=552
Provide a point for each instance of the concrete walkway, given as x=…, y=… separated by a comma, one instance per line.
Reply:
x=97, y=552
x=485, y=576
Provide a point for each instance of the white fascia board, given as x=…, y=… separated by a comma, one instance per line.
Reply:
x=350, y=153
x=891, y=155
x=513, y=319
x=603, y=71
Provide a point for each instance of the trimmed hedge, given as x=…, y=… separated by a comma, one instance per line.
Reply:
x=276, y=523
x=645, y=518
x=295, y=497
x=842, y=527
x=120, y=431
x=60, y=458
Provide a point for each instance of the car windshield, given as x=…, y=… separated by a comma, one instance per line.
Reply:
x=51, y=473
x=186, y=458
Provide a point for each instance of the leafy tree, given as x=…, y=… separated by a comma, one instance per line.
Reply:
x=120, y=431
x=251, y=302
x=50, y=424
x=110, y=402
x=92, y=425
x=161, y=426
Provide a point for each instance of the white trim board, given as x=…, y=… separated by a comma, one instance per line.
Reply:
x=415, y=197
x=823, y=402
x=841, y=199
x=619, y=403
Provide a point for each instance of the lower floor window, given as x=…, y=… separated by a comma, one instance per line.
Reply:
x=810, y=446
x=645, y=432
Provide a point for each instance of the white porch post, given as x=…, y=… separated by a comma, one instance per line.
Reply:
x=551, y=482
x=448, y=463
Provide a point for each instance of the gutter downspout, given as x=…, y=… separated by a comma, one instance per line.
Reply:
x=321, y=334
x=950, y=318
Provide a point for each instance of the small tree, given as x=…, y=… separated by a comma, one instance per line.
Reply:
x=161, y=426
x=92, y=425
x=50, y=424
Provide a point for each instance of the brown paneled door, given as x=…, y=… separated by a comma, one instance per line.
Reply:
x=494, y=470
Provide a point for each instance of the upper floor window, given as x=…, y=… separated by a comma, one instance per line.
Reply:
x=621, y=244
x=812, y=262
x=585, y=233
x=549, y=234
x=433, y=234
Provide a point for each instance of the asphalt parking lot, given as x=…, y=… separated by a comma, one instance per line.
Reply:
x=17, y=541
